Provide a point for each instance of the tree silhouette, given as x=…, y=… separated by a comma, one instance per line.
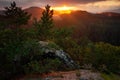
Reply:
x=45, y=24
x=16, y=15
x=46, y=19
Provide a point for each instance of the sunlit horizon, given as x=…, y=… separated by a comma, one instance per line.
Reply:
x=88, y=5
x=64, y=9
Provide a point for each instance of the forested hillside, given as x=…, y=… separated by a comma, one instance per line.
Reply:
x=96, y=26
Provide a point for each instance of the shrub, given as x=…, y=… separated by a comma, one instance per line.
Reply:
x=103, y=56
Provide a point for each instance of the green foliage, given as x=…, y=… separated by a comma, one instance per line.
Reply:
x=62, y=37
x=20, y=51
x=61, y=33
x=53, y=45
x=15, y=52
x=42, y=66
x=103, y=56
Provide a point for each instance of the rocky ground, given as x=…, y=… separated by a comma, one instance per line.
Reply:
x=70, y=75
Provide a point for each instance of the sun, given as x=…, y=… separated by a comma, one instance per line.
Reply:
x=64, y=9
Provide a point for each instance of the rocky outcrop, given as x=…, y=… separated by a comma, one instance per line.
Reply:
x=52, y=50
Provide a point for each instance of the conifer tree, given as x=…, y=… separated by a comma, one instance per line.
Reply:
x=16, y=15
x=45, y=24
x=46, y=19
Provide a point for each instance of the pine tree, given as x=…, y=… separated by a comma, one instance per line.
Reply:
x=16, y=15
x=45, y=24
x=46, y=19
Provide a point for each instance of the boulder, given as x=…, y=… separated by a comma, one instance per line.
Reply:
x=52, y=50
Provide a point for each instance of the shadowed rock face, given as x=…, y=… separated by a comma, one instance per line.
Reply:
x=51, y=52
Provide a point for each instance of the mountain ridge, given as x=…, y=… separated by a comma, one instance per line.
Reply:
x=36, y=12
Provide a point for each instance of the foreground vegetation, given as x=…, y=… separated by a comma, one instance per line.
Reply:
x=20, y=52
x=110, y=76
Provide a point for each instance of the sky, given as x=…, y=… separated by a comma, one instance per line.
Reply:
x=87, y=5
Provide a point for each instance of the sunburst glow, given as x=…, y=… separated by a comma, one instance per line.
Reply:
x=64, y=9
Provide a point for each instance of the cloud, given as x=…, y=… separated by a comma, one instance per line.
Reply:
x=22, y=3
x=44, y=2
x=89, y=5
x=101, y=6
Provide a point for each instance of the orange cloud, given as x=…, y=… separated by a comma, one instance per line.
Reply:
x=100, y=6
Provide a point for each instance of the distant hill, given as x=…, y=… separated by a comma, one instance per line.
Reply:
x=111, y=14
x=82, y=18
x=115, y=10
x=36, y=12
